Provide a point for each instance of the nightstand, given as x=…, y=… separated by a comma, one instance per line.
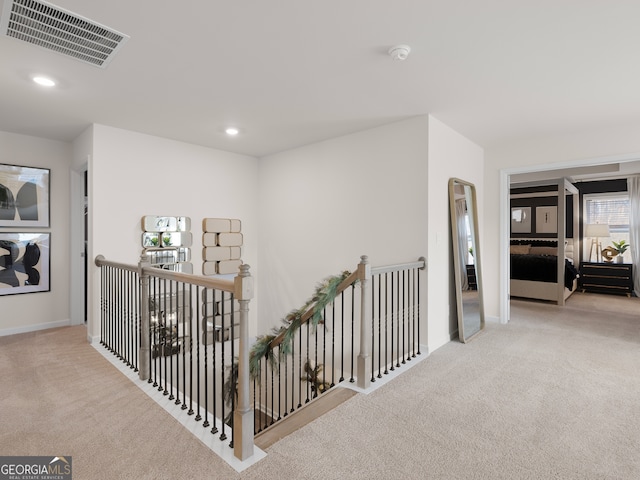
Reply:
x=615, y=278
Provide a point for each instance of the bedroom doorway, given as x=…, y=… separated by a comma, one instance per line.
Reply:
x=587, y=168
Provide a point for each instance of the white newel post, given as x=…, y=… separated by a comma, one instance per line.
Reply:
x=144, y=371
x=243, y=417
x=364, y=366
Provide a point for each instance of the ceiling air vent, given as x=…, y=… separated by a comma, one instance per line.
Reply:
x=54, y=28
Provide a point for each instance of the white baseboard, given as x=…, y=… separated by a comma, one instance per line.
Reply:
x=34, y=328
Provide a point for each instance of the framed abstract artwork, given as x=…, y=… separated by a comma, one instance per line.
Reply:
x=24, y=196
x=24, y=263
x=547, y=219
x=521, y=220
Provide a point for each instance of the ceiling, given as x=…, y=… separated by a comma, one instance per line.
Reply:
x=289, y=72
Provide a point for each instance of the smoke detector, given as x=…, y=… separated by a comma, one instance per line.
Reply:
x=48, y=26
x=400, y=52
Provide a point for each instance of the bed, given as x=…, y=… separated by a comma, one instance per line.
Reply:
x=544, y=241
x=534, y=270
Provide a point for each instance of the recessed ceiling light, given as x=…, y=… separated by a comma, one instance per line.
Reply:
x=232, y=131
x=44, y=81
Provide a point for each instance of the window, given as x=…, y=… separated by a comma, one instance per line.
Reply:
x=609, y=209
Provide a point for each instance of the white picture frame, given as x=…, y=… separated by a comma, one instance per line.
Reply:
x=547, y=219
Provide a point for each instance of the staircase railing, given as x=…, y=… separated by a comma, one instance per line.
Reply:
x=359, y=334
x=172, y=328
x=187, y=335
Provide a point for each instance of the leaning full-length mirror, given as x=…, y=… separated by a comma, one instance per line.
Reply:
x=466, y=258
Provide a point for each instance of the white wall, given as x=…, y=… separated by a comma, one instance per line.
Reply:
x=34, y=311
x=324, y=205
x=559, y=151
x=133, y=175
x=450, y=155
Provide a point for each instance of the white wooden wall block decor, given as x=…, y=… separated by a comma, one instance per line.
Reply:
x=209, y=268
x=210, y=239
x=216, y=225
x=228, y=266
x=222, y=245
x=230, y=239
x=214, y=254
x=236, y=225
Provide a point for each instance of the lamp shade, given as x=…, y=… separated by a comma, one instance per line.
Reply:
x=596, y=230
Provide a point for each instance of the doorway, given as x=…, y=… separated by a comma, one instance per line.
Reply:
x=79, y=236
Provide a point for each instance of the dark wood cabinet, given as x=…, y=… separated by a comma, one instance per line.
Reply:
x=615, y=278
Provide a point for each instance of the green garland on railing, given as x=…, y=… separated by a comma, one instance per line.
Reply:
x=324, y=295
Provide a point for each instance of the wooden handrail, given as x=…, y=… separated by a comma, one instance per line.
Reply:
x=207, y=282
x=309, y=313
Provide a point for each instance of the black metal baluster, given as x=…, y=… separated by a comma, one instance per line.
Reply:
x=114, y=313
x=171, y=338
x=180, y=320
x=130, y=318
x=255, y=389
x=109, y=308
x=397, y=317
x=262, y=387
x=341, y=336
x=223, y=435
x=214, y=428
x=353, y=326
x=166, y=332
x=386, y=318
x=125, y=314
x=205, y=334
x=293, y=373
x=333, y=343
x=199, y=327
x=234, y=370
x=416, y=308
x=102, y=290
x=118, y=323
x=386, y=325
x=373, y=329
x=286, y=379
x=273, y=388
x=406, y=312
x=136, y=319
x=300, y=367
x=315, y=364
x=307, y=364
x=280, y=386
x=404, y=337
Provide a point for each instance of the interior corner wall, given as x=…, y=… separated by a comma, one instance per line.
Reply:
x=450, y=155
x=36, y=311
x=587, y=147
x=324, y=205
x=132, y=175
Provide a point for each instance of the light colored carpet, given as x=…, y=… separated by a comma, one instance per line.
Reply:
x=555, y=394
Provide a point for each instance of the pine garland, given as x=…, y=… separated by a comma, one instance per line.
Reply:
x=324, y=295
